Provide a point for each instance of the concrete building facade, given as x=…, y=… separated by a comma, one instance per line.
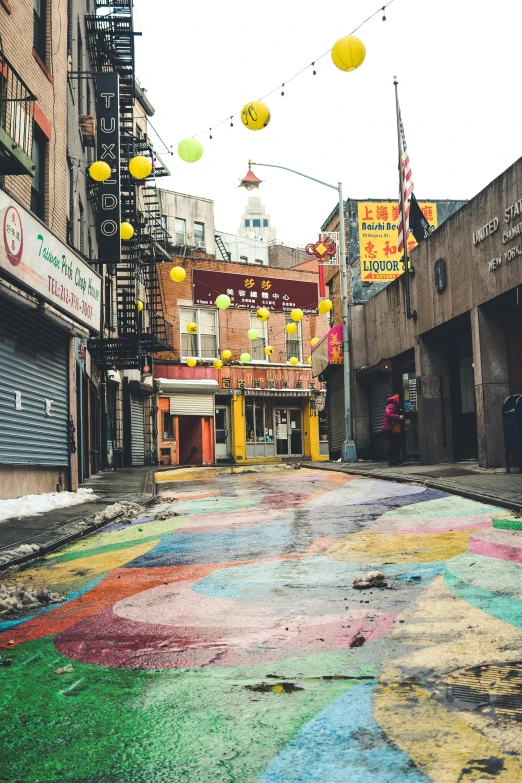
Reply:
x=255, y=222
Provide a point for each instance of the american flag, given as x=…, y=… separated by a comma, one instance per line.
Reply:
x=407, y=181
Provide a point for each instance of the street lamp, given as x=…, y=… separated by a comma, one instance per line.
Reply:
x=250, y=181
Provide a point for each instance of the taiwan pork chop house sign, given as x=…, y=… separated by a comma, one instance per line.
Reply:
x=247, y=292
x=35, y=257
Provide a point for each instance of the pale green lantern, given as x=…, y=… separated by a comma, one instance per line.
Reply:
x=223, y=302
x=244, y=358
x=190, y=150
x=252, y=334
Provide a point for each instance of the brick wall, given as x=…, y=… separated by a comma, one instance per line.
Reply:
x=234, y=324
x=285, y=257
x=48, y=81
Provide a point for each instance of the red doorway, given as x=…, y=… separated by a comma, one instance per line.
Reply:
x=190, y=440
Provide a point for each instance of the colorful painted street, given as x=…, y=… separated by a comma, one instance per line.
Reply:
x=226, y=643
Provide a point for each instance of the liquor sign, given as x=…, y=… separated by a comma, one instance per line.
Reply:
x=248, y=293
x=378, y=226
x=108, y=150
x=39, y=260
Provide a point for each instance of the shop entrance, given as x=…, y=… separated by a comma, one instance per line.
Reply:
x=222, y=433
x=289, y=432
x=190, y=440
x=462, y=384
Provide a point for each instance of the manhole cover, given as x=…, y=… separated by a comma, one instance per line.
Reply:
x=492, y=689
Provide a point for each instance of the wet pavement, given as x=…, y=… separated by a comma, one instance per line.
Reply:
x=225, y=644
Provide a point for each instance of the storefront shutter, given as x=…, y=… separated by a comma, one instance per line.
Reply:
x=137, y=431
x=336, y=423
x=192, y=404
x=380, y=390
x=34, y=361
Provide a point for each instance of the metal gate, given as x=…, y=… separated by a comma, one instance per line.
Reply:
x=34, y=389
x=336, y=423
x=137, y=431
x=380, y=390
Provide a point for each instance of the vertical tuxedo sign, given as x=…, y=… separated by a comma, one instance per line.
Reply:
x=108, y=150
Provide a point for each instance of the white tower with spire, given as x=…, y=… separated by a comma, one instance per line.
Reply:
x=255, y=223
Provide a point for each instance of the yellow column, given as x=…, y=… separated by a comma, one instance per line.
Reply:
x=311, y=432
x=237, y=414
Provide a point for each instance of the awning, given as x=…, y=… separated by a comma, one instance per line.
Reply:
x=187, y=386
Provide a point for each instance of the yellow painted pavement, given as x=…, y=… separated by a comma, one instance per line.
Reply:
x=376, y=548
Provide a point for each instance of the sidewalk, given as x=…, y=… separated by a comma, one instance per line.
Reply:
x=493, y=486
x=54, y=528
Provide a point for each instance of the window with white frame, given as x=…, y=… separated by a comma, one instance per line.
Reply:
x=199, y=234
x=257, y=347
x=203, y=344
x=293, y=341
x=180, y=228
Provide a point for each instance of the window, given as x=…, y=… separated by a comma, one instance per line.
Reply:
x=199, y=234
x=82, y=226
x=39, y=31
x=259, y=415
x=80, y=80
x=256, y=223
x=257, y=347
x=265, y=223
x=168, y=426
x=180, y=226
x=293, y=341
x=204, y=344
x=247, y=223
x=38, y=181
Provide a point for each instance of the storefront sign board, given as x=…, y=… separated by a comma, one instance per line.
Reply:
x=39, y=260
x=378, y=227
x=248, y=292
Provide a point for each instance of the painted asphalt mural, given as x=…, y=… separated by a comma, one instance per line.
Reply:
x=226, y=644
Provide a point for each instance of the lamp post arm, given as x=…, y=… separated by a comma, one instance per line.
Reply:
x=293, y=171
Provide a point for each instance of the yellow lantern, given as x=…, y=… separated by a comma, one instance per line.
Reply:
x=348, y=53
x=192, y=328
x=291, y=328
x=190, y=150
x=177, y=274
x=226, y=354
x=268, y=350
x=314, y=341
x=244, y=358
x=293, y=360
x=218, y=364
x=297, y=314
x=309, y=360
x=99, y=171
x=140, y=166
x=191, y=361
x=263, y=314
x=325, y=306
x=138, y=304
x=255, y=116
x=126, y=230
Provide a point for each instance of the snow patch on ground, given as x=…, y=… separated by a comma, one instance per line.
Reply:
x=29, y=505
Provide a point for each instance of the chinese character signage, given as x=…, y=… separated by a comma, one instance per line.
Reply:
x=248, y=293
x=329, y=350
x=108, y=141
x=378, y=223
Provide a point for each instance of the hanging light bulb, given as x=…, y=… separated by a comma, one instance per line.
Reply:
x=384, y=13
x=231, y=123
x=314, y=71
x=210, y=130
x=283, y=89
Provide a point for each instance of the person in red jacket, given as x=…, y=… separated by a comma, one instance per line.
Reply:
x=392, y=427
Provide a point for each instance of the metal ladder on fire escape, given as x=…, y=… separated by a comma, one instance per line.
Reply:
x=225, y=254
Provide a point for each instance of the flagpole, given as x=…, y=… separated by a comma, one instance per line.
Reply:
x=409, y=313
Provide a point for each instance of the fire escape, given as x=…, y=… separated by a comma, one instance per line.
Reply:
x=139, y=333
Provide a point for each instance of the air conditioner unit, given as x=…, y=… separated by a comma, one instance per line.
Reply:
x=201, y=245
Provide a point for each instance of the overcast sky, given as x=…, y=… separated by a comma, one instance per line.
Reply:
x=459, y=70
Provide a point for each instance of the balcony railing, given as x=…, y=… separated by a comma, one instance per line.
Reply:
x=16, y=122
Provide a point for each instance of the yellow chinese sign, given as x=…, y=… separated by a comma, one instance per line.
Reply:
x=378, y=223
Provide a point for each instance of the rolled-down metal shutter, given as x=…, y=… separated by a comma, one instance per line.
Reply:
x=137, y=431
x=380, y=390
x=34, y=360
x=336, y=423
x=192, y=404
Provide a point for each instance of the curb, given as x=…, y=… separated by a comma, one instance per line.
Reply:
x=53, y=545
x=480, y=497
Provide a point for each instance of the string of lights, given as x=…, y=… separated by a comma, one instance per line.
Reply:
x=281, y=86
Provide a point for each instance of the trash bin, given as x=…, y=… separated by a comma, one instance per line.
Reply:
x=118, y=458
x=512, y=426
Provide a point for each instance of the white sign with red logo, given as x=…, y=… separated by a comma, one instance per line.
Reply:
x=30, y=253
